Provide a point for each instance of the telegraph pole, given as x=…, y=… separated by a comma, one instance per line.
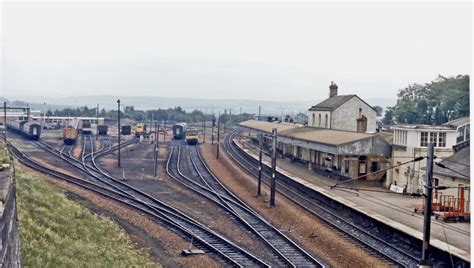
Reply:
x=157, y=134
x=164, y=130
x=212, y=130
x=428, y=204
x=218, y=133
x=273, y=178
x=118, y=115
x=5, y=121
x=97, y=122
x=260, y=166
x=204, y=130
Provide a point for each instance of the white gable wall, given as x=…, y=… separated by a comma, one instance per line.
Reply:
x=345, y=116
x=316, y=115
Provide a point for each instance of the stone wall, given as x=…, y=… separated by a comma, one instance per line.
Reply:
x=10, y=255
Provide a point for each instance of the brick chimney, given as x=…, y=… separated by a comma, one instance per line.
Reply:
x=332, y=89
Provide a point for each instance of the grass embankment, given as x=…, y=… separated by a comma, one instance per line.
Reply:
x=56, y=231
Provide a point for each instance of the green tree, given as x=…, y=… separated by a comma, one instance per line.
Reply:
x=388, y=116
x=379, y=110
x=434, y=103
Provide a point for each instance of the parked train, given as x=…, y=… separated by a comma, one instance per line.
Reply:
x=179, y=131
x=126, y=130
x=70, y=133
x=102, y=129
x=86, y=127
x=192, y=136
x=139, y=129
x=25, y=128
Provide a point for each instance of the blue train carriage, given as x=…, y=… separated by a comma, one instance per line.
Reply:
x=86, y=127
x=27, y=129
x=192, y=135
x=179, y=131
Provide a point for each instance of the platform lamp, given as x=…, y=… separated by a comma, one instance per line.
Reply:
x=118, y=116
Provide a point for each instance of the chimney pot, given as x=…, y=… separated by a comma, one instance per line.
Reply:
x=332, y=89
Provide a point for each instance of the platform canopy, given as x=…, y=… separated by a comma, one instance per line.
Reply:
x=336, y=142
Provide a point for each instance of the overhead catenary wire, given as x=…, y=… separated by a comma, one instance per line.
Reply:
x=362, y=193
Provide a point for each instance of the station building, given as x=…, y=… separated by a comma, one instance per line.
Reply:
x=343, y=112
x=339, y=141
x=456, y=175
x=410, y=141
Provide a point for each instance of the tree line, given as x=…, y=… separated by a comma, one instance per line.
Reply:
x=176, y=114
x=434, y=103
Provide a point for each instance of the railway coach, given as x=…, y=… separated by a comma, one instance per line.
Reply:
x=102, y=129
x=126, y=130
x=27, y=129
x=179, y=131
x=86, y=127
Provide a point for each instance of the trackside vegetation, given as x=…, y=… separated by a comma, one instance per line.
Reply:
x=58, y=232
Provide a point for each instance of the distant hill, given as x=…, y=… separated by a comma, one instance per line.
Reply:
x=188, y=104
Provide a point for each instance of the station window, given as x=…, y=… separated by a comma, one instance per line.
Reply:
x=326, y=121
x=319, y=122
x=424, y=139
x=374, y=166
x=433, y=137
x=460, y=137
x=313, y=121
x=442, y=139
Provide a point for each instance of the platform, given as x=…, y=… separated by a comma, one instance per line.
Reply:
x=392, y=209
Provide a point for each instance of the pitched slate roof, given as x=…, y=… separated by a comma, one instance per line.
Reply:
x=459, y=162
x=331, y=103
x=268, y=126
x=457, y=122
x=311, y=134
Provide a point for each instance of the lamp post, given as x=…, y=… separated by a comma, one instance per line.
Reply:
x=118, y=116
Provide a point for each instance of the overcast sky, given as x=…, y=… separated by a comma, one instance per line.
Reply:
x=273, y=51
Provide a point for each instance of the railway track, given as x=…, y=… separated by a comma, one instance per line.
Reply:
x=188, y=228
x=376, y=200
x=211, y=242
x=200, y=179
x=365, y=235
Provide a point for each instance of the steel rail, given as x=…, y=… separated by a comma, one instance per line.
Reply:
x=378, y=245
x=233, y=254
x=285, y=248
